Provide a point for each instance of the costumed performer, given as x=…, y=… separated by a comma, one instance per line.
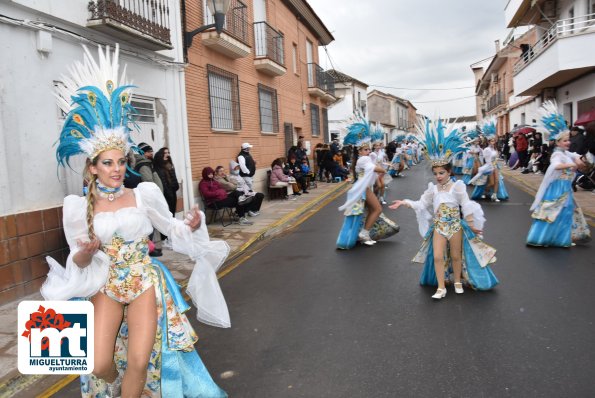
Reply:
x=450, y=223
x=361, y=196
x=557, y=219
x=471, y=157
x=379, y=158
x=488, y=178
x=144, y=344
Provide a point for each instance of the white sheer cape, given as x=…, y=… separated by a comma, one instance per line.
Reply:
x=132, y=223
x=551, y=174
x=430, y=200
x=364, y=182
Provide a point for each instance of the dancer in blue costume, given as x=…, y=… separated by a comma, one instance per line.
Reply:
x=557, y=219
x=449, y=222
x=361, y=196
x=471, y=157
x=144, y=344
x=489, y=181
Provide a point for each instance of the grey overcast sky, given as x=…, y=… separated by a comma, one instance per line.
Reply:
x=413, y=44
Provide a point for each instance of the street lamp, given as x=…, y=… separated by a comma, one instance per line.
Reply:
x=218, y=9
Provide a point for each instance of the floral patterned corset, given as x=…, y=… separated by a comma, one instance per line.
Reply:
x=567, y=174
x=447, y=220
x=130, y=271
x=132, y=254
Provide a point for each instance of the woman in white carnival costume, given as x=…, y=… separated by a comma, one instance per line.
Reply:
x=144, y=344
x=449, y=222
x=488, y=178
x=471, y=157
x=379, y=158
x=361, y=196
x=557, y=219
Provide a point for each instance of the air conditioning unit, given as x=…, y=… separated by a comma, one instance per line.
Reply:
x=549, y=93
x=549, y=9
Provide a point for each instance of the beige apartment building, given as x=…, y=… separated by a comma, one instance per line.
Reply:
x=494, y=88
x=258, y=81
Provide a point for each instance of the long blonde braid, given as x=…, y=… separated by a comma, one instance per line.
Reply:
x=92, y=184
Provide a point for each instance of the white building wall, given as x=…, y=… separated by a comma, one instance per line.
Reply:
x=530, y=109
x=340, y=112
x=29, y=116
x=575, y=92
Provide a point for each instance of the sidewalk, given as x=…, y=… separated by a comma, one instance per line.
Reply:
x=530, y=183
x=275, y=217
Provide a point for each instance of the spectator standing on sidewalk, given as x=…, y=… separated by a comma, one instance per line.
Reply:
x=247, y=164
x=577, y=141
x=522, y=147
x=163, y=165
x=144, y=165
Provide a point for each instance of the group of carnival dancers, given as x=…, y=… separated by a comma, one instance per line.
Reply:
x=450, y=222
x=144, y=343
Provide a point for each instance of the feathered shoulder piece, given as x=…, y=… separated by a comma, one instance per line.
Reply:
x=358, y=132
x=440, y=142
x=488, y=127
x=551, y=121
x=96, y=101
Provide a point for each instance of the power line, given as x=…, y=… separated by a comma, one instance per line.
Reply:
x=444, y=100
x=422, y=89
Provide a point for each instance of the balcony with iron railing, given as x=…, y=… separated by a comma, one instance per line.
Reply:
x=141, y=22
x=234, y=40
x=320, y=83
x=495, y=100
x=268, y=49
x=563, y=53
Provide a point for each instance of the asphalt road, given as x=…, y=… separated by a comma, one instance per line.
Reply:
x=312, y=321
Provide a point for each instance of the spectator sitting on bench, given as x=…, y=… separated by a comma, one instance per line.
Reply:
x=280, y=179
x=306, y=170
x=294, y=169
x=254, y=199
x=214, y=195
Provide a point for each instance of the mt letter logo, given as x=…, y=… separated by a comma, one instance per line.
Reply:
x=55, y=337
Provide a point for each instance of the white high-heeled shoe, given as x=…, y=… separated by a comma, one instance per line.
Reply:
x=459, y=288
x=440, y=293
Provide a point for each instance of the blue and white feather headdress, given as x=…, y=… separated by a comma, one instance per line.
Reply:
x=551, y=121
x=377, y=135
x=440, y=141
x=358, y=132
x=488, y=127
x=96, y=101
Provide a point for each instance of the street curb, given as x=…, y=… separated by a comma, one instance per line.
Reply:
x=20, y=382
x=520, y=183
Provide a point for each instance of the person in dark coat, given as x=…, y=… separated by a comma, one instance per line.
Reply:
x=163, y=165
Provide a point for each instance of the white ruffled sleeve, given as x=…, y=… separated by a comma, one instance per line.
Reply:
x=209, y=256
x=468, y=206
x=64, y=283
x=423, y=208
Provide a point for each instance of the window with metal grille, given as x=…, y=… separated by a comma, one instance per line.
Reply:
x=145, y=109
x=315, y=119
x=325, y=124
x=224, y=99
x=269, y=113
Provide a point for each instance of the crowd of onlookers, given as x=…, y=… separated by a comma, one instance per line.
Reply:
x=529, y=153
